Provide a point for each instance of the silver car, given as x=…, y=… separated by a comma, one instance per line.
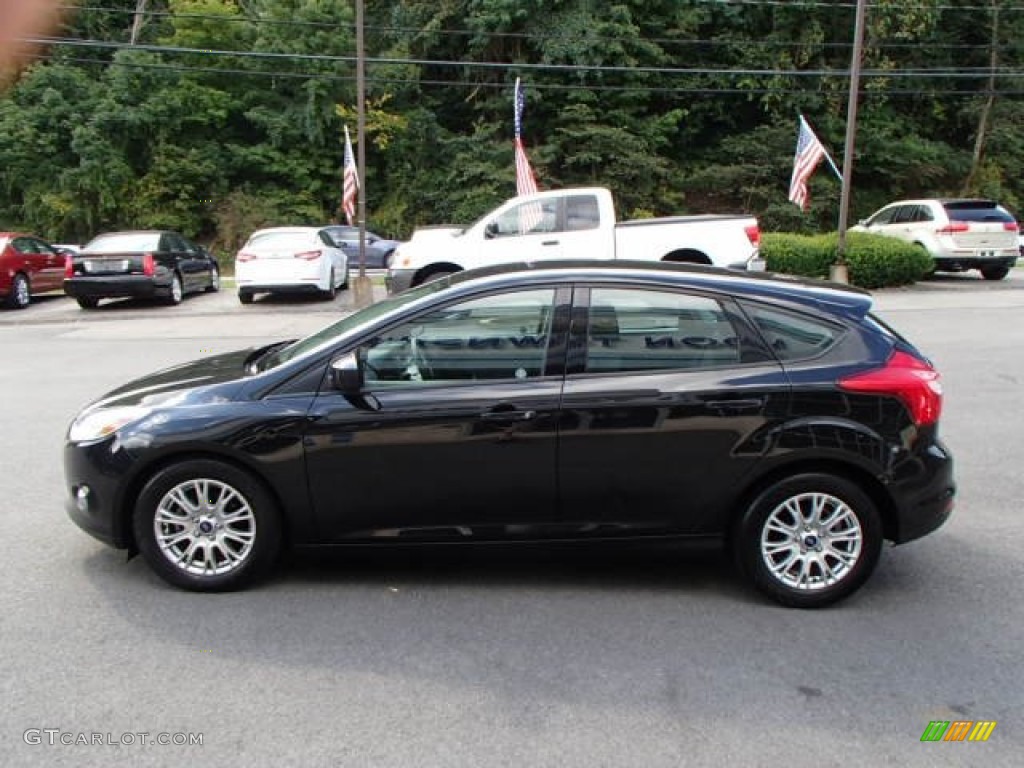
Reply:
x=958, y=234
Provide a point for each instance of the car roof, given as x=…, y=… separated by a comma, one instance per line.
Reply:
x=285, y=230
x=821, y=294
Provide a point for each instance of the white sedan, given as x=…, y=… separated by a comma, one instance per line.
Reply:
x=290, y=260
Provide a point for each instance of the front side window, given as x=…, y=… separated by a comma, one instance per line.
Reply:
x=641, y=330
x=534, y=217
x=504, y=336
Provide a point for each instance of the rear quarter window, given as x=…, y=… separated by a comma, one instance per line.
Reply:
x=792, y=335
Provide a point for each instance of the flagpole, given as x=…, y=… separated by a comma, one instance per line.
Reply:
x=839, y=271
x=362, y=287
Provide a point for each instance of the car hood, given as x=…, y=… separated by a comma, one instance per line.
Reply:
x=207, y=379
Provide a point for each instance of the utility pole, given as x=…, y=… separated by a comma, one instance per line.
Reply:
x=362, y=286
x=839, y=271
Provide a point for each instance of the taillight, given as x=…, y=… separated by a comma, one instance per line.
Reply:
x=245, y=256
x=148, y=265
x=753, y=235
x=1011, y=226
x=69, y=267
x=953, y=227
x=308, y=255
x=910, y=379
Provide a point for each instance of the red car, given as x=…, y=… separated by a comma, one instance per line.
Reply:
x=27, y=266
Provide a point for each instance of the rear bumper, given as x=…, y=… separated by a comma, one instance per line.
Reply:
x=925, y=499
x=116, y=286
x=278, y=288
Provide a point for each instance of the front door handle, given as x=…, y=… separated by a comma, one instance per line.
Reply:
x=507, y=413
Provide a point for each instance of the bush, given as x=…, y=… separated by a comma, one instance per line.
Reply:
x=873, y=261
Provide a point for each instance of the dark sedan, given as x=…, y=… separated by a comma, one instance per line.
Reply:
x=144, y=264
x=555, y=402
x=378, y=249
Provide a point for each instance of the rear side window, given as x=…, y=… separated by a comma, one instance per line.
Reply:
x=642, y=330
x=793, y=336
x=977, y=210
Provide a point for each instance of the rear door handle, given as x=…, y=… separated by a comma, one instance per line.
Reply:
x=735, y=406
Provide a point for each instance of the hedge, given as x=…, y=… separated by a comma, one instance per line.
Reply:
x=873, y=261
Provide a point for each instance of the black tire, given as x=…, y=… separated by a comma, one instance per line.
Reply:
x=995, y=272
x=344, y=284
x=332, y=289
x=245, y=297
x=214, y=285
x=386, y=261
x=849, y=546
x=177, y=291
x=20, y=294
x=437, y=276
x=87, y=302
x=215, y=508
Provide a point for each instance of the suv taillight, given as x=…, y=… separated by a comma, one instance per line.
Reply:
x=1011, y=226
x=148, y=265
x=753, y=235
x=952, y=228
x=910, y=379
x=69, y=267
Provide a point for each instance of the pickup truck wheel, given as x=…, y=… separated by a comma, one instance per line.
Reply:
x=436, y=276
x=995, y=272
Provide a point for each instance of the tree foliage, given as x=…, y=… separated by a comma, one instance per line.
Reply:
x=228, y=114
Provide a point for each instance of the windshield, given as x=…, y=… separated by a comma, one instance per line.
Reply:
x=343, y=326
x=125, y=242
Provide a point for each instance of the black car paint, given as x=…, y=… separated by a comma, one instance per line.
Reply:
x=601, y=456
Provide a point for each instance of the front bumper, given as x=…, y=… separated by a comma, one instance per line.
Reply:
x=116, y=286
x=99, y=468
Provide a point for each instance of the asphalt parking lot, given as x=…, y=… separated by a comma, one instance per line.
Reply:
x=647, y=657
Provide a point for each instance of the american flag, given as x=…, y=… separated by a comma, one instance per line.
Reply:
x=530, y=215
x=809, y=152
x=350, y=185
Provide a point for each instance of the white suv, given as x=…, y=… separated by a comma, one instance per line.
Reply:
x=958, y=234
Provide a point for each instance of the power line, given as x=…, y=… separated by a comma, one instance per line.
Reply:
x=553, y=87
x=958, y=72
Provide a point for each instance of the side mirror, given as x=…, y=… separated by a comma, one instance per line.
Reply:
x=491, y=230
x=347, y=374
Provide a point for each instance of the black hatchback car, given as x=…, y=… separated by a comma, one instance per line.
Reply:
x=139, y=264
x=549, y=402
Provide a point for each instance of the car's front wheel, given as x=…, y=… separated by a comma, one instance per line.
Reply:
x=214, y=285
x=206, y=526
x=809, y=540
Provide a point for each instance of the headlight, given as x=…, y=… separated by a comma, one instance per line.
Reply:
x=100, y=423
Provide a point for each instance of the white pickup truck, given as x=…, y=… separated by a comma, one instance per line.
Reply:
x=573, y=224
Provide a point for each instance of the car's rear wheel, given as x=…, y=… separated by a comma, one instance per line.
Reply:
x=176, y=293
x=214, y=285
x=995, y=272
x=86, y=302
x=245, y=297
x=332, y=289
x=21, y=293
x=206, y=526
x=810, y=540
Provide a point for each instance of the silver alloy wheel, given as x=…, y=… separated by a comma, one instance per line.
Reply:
x=176, y=291
x=21, y=291
x=215, y=279
x=205, y=527
x=811, y=541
